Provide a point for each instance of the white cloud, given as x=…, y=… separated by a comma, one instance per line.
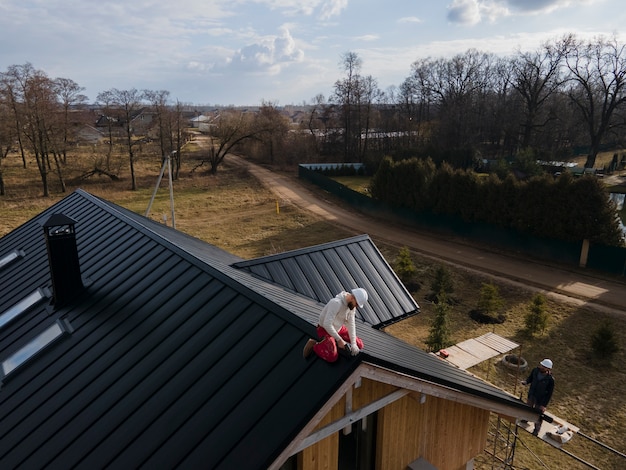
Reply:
x=325, y=9
x=465, y=12
x=538, y=6
x=409, y=19
x=472, y=12
x=368, y=37
x=268, y=55
x=333, y=8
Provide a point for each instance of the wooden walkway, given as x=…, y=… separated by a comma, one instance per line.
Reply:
x=476, y=350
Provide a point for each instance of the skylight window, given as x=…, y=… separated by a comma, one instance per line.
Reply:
x=22, y=306
x=32, y=348
x=10, y=257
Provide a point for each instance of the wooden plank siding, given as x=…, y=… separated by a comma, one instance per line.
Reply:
x=407, y=429
x=324, y=455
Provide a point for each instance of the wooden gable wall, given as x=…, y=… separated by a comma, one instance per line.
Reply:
x=446, y=433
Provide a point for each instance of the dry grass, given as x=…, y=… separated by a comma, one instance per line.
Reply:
x=233, y=211
x=230, y=210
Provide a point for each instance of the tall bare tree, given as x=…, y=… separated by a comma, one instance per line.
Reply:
x=177, y=135
x=106, y=99
x=170, y=126
x=355, y=95
x=7, y=134
x=344, y=96
x=597, y=87
x=13, y=85
x=537, y=75
x=416, y=100
x=35, y=106
x=127, y=103
x=159, y=101
x=69, y=95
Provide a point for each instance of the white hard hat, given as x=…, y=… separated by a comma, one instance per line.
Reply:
x=547, y=363
x=360, y=295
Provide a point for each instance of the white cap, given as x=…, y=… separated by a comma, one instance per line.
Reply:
x=547, y=363
x=360, y=295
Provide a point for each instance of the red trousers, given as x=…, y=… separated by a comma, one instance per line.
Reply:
x=327, y=349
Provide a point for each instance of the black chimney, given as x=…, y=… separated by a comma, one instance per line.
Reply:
x=63, y=258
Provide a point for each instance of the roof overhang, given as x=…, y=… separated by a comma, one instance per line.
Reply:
x=406, y=385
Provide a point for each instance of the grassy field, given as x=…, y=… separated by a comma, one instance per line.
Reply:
x=230, y=210
x=233, y=211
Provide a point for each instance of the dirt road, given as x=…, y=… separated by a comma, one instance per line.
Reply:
x=569, y=285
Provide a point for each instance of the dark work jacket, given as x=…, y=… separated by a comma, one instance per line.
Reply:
x=541, y=388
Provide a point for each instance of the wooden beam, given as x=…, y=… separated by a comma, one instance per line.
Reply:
x=350, y=419
x=422, y=386
x=308, y=429
x=348, y=429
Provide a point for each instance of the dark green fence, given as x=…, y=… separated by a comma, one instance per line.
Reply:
x=602, y=258
x=610, y=259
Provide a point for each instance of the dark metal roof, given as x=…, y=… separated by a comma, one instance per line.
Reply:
x=174, y=358
x=322, y=271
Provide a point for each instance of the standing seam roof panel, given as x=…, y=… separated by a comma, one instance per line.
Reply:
x=90, y=394
x=301, y=283
x=178, y=396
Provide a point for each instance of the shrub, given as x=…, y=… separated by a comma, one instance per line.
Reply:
x=442, y=283
x=536, y=319
x=439, y=336
x=488, y=305
x=405, y=269
x=604, y=343
x=490, y=300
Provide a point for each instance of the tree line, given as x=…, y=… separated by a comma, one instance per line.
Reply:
x=564, y=208
x=39, y=118
x=43, y=118
x=563, y=98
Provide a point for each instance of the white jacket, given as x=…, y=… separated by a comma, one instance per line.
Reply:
x=335, y=314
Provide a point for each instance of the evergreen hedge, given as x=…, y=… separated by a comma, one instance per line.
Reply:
x=563, y=208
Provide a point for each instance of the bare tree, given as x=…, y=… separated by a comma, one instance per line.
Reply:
x=500, y=129
x=271, y=129
x=355, y=95
x=416, y=100
x=7, y=135
x=106, y=100
x=34, y=103
x=158, y=100
x=177, y=136
x=13, y=84
x=69, y=95
x=344, y=95
x=317, y=122
x=536, y=77
x=597, y=84
x=231, y=128
x=127, y=103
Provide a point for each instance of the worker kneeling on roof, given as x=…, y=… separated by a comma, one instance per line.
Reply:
x=336, y=328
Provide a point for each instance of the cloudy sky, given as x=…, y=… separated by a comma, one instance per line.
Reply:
x=243, y=52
